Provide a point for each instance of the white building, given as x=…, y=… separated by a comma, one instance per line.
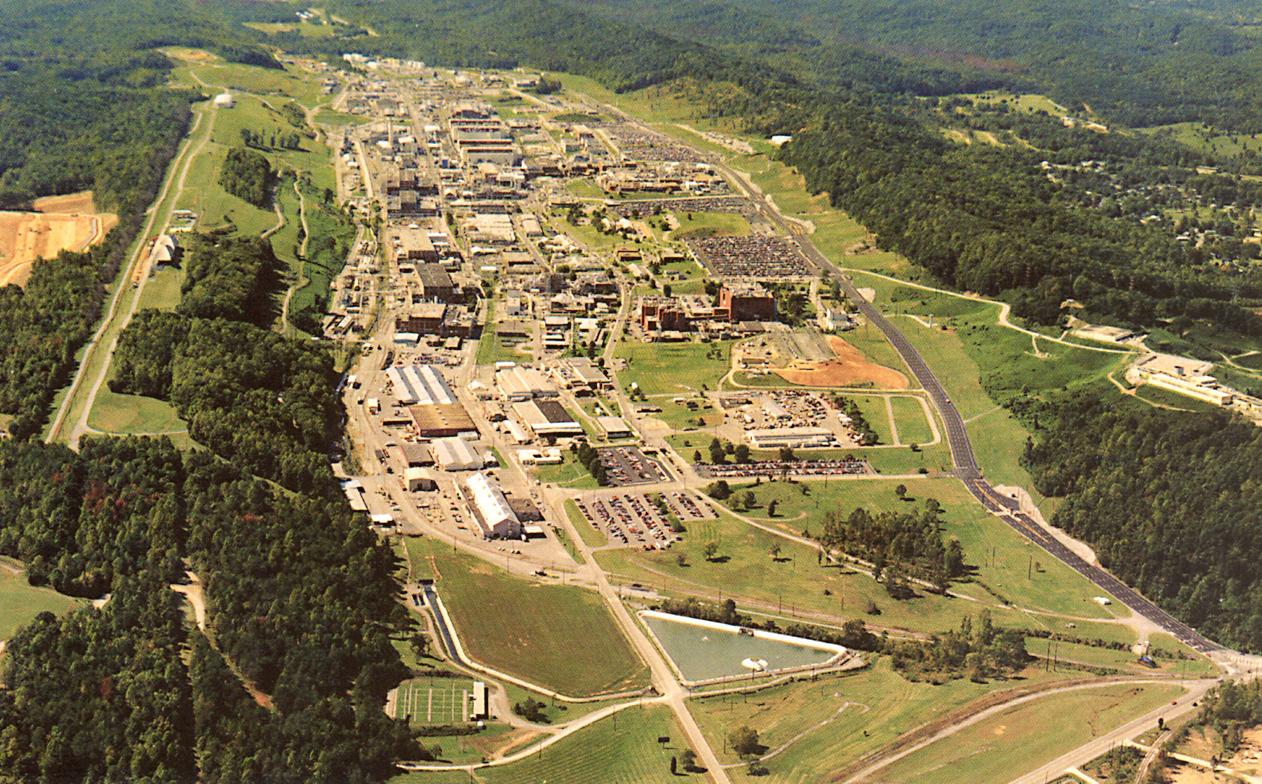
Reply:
x=792, y=437
x=455, y=454
x=420, y=385
x=491, y=509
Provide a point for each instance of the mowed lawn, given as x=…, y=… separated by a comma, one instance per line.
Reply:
x=559, y=637
x=824, y=725
x=621, y=749
x=20, y=601
x=1003, y=559
x=1025, y=736
x=909, y=415
x=794, y=584
x=673, y=368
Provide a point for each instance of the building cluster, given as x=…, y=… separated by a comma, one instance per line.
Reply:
x=742, y=308
x=1191, y=378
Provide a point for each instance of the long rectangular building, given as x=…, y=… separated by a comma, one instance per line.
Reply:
x=491, y=509
x=420, y=385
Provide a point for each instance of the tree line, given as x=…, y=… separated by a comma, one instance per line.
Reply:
x=1169, y=500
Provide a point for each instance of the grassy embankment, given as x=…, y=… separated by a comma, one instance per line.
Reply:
x=561, y=638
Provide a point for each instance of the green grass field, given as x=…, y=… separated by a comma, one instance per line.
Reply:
x=909, y=415
x=818, y=727
x=20, y=601
x=709, y=224
x=559, y=637
x=794, y=584
x=621, y=750
x=570, y=473
x=1020, y=572
x=114, y=413
x=673, y=368
x=1025, y=736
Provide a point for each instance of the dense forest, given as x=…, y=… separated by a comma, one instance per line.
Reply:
x=247, y=175
x=1170, y=502
x=85, y=106
x=229, y=277
x=105, y=695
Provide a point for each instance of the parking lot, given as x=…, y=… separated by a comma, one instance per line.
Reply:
x=629, y=519
x=775, y=468
x=627, y=465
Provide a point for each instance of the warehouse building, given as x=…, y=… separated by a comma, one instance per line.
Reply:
x=518, y=383
x=456, y=454
x=547, y=419
x=441, y=420
x=614, y=427
x=792, y=437
x=420, y=385
x=495, y=516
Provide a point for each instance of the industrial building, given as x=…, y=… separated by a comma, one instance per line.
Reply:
x=441, y=420
x=792, y=437
x=456, y=454
x=614, y=427
x=518, y=383
x=547, y=419
x=420, y=385
x=495, y=516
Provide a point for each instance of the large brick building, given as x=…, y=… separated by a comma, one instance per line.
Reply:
x=747, y=302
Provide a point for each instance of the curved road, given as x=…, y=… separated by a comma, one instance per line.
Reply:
x=962, y=455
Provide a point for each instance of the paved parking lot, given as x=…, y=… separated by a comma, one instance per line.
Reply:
x=627, y=465
x=629, y=519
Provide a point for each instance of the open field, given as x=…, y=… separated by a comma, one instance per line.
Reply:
x=622, y=749
x=115, y=413
x=570, y=473
x=673, y=368
x=1027, y=735
x=817, y=727
x=20, y=601
x=709, y=224
x=1002, y=559
x=58, y=223
x=794, y=584
x=909, y=417
x=561, y=638
x=849, y=367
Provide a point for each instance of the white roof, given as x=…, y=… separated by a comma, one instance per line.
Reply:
x=420, y=385
x=455, y=454
x=612, y=424
x=489, y=500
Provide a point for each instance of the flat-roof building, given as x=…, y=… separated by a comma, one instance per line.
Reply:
x=793, y=437
x=456, y=454
x=522, y=383
x=441, y=420
x=614, y=427
x=547, y=419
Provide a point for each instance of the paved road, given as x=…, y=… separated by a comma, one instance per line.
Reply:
x=962, y=455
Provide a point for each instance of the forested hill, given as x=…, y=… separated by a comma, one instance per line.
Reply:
x=84, y=104
x=1170, y=501
x=1138, y=64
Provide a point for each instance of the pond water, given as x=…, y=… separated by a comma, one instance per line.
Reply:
x=715, y=651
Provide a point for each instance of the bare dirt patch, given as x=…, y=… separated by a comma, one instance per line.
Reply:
x=848, y=367
x=68, y=222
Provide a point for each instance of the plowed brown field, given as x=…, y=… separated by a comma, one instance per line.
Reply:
x=59, y=223
x=849, y=367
